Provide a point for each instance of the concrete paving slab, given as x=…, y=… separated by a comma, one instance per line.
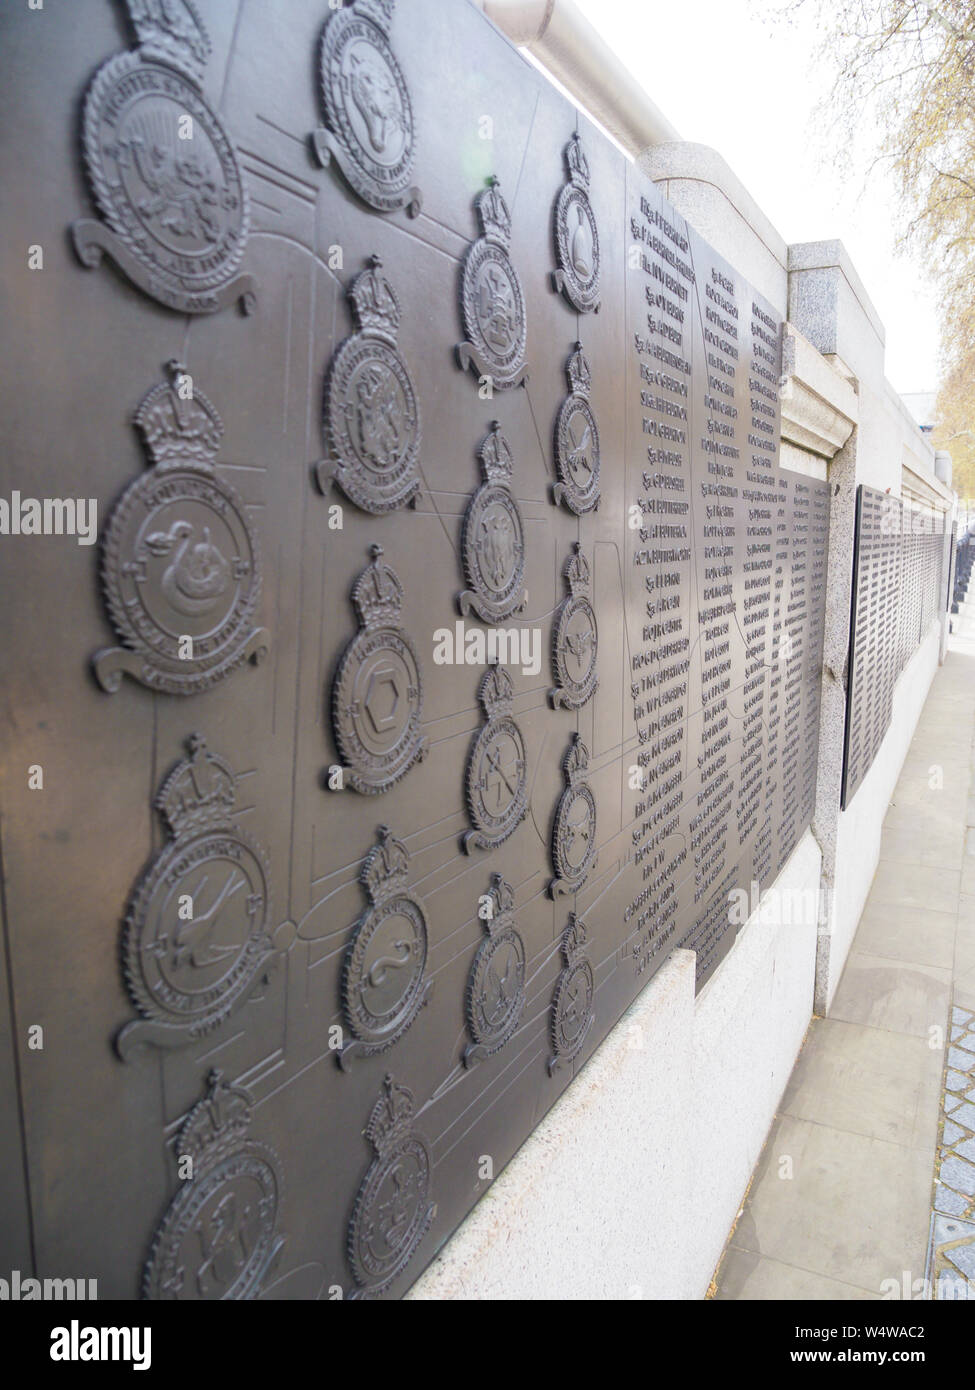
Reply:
x=751, y=1277
x=901, y=933
x=882, y=993
x=868, y=1081
x=856, y=1209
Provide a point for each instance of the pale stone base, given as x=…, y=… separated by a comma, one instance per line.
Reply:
x=628, y=1187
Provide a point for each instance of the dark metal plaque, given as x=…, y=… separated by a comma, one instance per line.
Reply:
x=898, y=579
x=618, y=720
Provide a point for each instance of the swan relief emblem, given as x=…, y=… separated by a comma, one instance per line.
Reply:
x=197, y=575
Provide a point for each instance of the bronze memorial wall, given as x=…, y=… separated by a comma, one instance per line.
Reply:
x=450, y=652
x=899, y=584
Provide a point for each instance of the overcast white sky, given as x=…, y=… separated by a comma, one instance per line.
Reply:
x=726, y=76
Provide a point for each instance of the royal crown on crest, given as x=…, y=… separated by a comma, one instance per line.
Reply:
x=574, y=938
x=178, y=423
x=496, y=692
x=200, y=792
x=497, y=459
x=171, y=32
x=217, y=1124
x=386, y=867
x=379, y=11
x=579, y=372
x=391, y=1117
x=377, y=594
x=577, y=572
x=575, y=764
x=502, y=896
x=376, y=306
x=578, y=164
x=494, y=215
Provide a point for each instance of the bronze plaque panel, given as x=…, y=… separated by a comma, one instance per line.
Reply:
x=898, y=586
x=540, y=678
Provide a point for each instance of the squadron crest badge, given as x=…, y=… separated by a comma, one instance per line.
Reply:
x=180, y=564
x=492, y=299
x=577, y=441
x=576, y=235
x=493, y=541
x=574, y=832
x=197, y=938
x=163, y=170
x=497, y=768
x=371, y=417
x=383, y=981
x=369, y=116
x=218, y=1240
x=377, y=693
x=575, y=638
x=572, y=1015
x=393, y=1210
x=496, y=986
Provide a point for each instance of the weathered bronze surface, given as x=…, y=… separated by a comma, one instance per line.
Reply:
x=642, y=741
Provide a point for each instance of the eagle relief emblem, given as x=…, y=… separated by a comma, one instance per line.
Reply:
x=163, y=170
x=577, y=441
x=493, y=542
x=575, y=637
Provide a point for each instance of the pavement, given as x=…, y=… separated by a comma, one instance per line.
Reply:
x=866, y=1186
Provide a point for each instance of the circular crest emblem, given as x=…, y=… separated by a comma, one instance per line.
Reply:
x=392, y=1209
x=494, y=312
x=391, y=1214
x=577, y=244
x=217, y=1238
x=577, y=454
x=497, y=767
x=176, y=201
x=193, y=971
x=497, y=779
x=494, y=550
x=492, y=298
x=181, y=561
x=376, y=706
x=572, y=1009
x=574, y=839
x=576, y=235
x=372, y=420
x=377, y=694
x=368, y=110
x=382, y=979
x=496, y=990
x=574, y=651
